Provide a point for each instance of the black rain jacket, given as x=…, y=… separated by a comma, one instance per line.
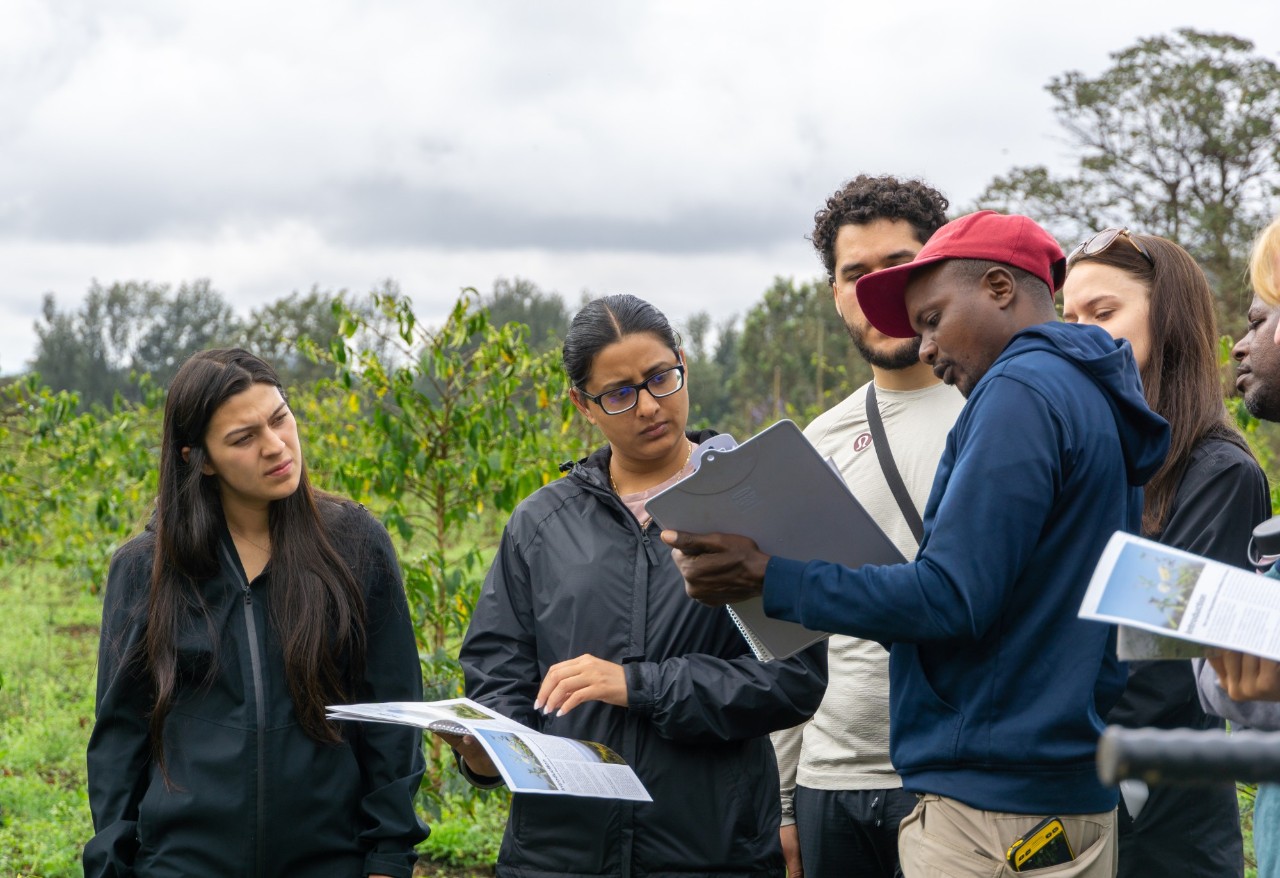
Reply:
x=576, y=574
x=1192, y=832
x=252, y=794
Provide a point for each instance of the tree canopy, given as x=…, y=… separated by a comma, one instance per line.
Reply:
x=125, y=330
x=1177, y=138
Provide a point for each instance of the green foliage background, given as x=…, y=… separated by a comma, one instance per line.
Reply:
x=440, y=430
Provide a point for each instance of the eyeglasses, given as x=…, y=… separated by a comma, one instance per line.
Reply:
x=1102, y=241
x=624, y=399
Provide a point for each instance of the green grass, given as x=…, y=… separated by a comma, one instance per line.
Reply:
x=1245, y=794
x=48, y=657
x=48, y=653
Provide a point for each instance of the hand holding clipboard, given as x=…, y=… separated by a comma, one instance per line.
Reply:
x=777, y=491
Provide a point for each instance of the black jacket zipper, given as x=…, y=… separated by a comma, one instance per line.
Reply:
x=260, y=713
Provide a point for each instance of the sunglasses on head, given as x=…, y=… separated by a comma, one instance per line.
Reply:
x=1102, y=241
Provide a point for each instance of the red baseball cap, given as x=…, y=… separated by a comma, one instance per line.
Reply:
x=1008, y=238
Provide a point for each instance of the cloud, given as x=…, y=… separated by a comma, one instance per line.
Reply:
x=254, y=270
x=633, y=126
x=270, y=146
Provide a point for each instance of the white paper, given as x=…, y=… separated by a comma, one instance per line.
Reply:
x=1148, y=586
x=529, y=761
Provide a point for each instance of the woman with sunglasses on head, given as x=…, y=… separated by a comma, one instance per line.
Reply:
x=250, y=603
x=1205, y=499
x=583, y=630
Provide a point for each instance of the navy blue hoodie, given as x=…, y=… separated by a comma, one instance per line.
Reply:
x=996, y=687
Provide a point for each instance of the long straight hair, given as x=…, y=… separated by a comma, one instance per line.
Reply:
x=317, y=607
x=1180, y=379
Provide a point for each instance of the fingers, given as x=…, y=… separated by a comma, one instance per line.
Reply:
x=472, y=752
x=718, y=568
x=454, y=741
x=688, y=543
x=691, y=544
x=1259, y=680
x=579, y=680
x=1247, y=677
x=1268, y=681
x=1217, y=661
x=1229, y=677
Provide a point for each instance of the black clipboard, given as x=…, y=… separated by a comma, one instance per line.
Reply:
x=778, y=490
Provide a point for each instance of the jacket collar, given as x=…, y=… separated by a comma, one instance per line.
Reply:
x=594, y=468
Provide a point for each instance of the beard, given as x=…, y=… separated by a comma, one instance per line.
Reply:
x=1263, y=402
x=900, y=357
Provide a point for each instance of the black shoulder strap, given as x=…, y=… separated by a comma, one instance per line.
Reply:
x=891, y=474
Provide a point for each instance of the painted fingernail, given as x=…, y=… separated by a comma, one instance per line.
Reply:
x=537, y=704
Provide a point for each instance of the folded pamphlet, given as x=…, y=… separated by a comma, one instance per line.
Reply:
x=529, y=761
x=1176, y=595
x=1136, y=645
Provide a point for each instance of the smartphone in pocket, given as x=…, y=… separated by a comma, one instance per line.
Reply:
x=1045, y=844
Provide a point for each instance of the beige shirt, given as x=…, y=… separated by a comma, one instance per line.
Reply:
x=846, y=744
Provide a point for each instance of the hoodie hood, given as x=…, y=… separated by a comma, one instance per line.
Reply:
x=1144, y=435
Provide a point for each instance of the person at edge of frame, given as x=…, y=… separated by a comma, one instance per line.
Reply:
x=583, y=630
x=841, y=799
x=1244, y=688
x=996, y=684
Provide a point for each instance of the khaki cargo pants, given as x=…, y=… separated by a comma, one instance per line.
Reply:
x=943, y=838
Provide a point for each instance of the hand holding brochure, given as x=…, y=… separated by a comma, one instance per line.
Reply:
x=1149, y=586
x=778, y=490
x=530, y=762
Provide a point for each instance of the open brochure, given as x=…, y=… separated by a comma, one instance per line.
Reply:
x=1177, y=595
x=530, y=762
x=778, y=490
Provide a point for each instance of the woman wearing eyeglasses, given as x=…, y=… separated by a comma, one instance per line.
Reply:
x=1206, y=499
x=583, y=630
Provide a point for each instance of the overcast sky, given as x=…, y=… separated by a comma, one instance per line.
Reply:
x=674, y=150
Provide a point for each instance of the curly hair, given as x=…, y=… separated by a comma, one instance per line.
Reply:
x=865, y=199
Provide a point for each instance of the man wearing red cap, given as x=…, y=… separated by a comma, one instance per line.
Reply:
x=996, y=685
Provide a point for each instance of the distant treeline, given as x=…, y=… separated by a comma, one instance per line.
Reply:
x=1177, y=137
x=790, y=355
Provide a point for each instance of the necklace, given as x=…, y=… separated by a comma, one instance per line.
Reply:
x=688, y=457
x=266, y=550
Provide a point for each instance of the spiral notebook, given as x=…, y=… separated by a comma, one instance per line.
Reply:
x=778, y=490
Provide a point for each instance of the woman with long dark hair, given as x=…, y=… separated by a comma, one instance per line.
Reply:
x=1206, y=498
x=583, y=629
x=249, y=603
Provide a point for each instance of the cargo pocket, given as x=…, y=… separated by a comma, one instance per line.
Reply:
x=940, y=851
x=1092, y=838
